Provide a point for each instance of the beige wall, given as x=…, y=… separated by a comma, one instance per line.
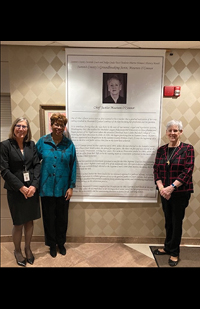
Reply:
x=37, y=76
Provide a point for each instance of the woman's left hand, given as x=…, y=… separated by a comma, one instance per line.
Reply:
x=69, y=193
x=31, y=191
x=166, y=192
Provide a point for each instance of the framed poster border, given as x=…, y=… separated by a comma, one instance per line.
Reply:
x=46, y=108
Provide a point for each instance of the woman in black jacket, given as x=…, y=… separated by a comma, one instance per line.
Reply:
x=20, y=168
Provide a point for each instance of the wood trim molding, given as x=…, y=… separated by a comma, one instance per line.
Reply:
x=137, y=240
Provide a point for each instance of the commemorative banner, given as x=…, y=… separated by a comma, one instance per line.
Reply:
x=113, y=106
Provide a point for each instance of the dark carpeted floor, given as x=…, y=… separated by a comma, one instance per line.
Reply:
x=189, y=257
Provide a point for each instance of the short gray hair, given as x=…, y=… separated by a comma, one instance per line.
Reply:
x=174, y=123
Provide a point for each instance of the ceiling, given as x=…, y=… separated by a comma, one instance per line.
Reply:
x=112, y=44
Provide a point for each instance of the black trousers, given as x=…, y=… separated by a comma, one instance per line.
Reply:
x=174, y=211
x=55, y=219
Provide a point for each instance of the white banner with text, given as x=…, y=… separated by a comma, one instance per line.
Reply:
x=113, y=105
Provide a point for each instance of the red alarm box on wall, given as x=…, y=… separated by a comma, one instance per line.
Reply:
x=177, y=91
x=172, y=91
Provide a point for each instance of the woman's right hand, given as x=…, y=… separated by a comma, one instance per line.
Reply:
x=24, y=191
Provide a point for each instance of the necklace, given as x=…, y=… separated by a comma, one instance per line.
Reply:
x=169, y=158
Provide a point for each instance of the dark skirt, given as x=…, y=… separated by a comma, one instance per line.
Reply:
x=23, y=210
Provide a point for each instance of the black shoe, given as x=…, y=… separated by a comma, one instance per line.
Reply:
x=173, y=263
x=53, y=251
x=158, y=252
x=20, y=263
x=62, y=249
x=31, y=259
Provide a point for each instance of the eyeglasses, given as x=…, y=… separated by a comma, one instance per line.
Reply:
x=59, y=125
x=19, y=126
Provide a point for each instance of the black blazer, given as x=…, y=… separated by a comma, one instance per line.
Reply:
x=109, y=99
x=13, y=164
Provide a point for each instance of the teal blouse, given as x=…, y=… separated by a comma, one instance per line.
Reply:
x=58, y=166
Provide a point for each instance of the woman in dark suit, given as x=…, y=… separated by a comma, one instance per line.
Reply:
x=173, y=169
x=20, y=168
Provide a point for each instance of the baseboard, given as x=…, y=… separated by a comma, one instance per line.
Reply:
x=113, y=239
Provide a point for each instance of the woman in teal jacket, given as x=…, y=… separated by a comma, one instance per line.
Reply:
x=57, y=180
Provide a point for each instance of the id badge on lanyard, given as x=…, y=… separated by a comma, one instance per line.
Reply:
x=26, y=174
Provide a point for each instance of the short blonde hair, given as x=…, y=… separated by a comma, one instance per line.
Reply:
x=28, y=136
